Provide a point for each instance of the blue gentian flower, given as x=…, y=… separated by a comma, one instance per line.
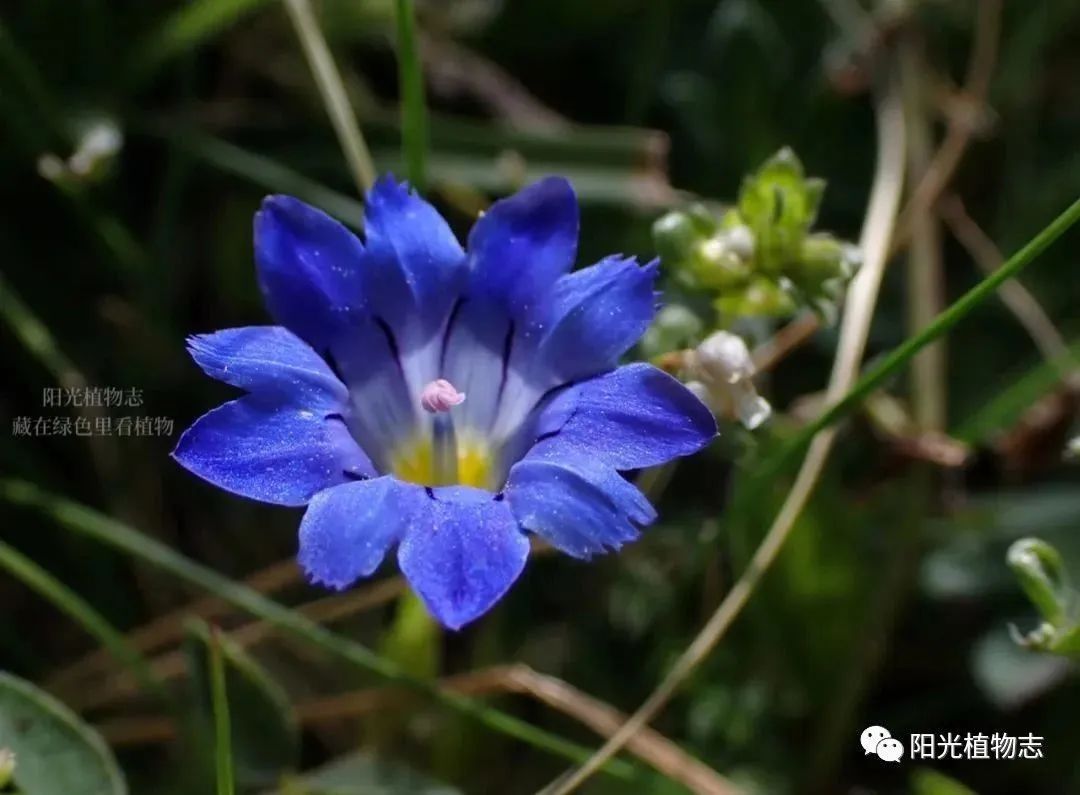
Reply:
x=447, y=402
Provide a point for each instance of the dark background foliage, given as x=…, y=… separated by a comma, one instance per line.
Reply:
x=891, y=601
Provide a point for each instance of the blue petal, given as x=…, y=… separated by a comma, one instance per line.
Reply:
x=635, y=416
x=347, y=530
x=522, y=244
x=578, y=504
x=415, y=266
x=269, y=359
x=596, y=314
x=271, y=451
x=462, y=553
x=475, y=361
x=309, y=269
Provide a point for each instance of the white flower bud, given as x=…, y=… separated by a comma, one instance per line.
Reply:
x=101, y=140
x=722, y=375
x=740, y=241
x=737, y=242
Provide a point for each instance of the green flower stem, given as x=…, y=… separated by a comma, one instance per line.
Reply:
x=332, y=91
x=414, y=123
x=223, y=757
x=115, y=534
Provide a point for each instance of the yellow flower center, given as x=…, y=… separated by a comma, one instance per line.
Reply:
x=416, y=461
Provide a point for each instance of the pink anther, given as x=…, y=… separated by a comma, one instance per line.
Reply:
x=440, y=395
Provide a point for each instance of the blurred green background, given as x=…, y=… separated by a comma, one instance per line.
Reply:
x=890, y=604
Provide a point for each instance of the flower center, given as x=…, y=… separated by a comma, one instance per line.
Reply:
x=444, y=457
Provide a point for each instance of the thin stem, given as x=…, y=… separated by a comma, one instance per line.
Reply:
x=223, y=757
x=332, y=90
x=986, y=255
x=925, y=272
x=958, y=136
x=414, y=123
x=877, y=230
x=117, y=535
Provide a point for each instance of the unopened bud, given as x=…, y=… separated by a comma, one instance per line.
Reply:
x=675, y=326
x=674, y=235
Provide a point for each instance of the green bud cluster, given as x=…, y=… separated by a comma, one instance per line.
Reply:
x=759, y=257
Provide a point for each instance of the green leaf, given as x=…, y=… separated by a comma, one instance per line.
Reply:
x=263, y=733
x=1012, y=676
x=925, y=781
x=55, y=752
x=363, y=774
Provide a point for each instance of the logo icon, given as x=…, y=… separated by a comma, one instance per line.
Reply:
x=879, y=741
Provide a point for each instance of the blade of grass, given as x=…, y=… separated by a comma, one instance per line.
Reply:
x=115, y=534
x=1012, y=401
x=223, y=757
x=37, y=339
x=264, y=172
x=414, y=124
x=193, y=24
x=333, y=93
x=40, y=103
x=79, y=610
